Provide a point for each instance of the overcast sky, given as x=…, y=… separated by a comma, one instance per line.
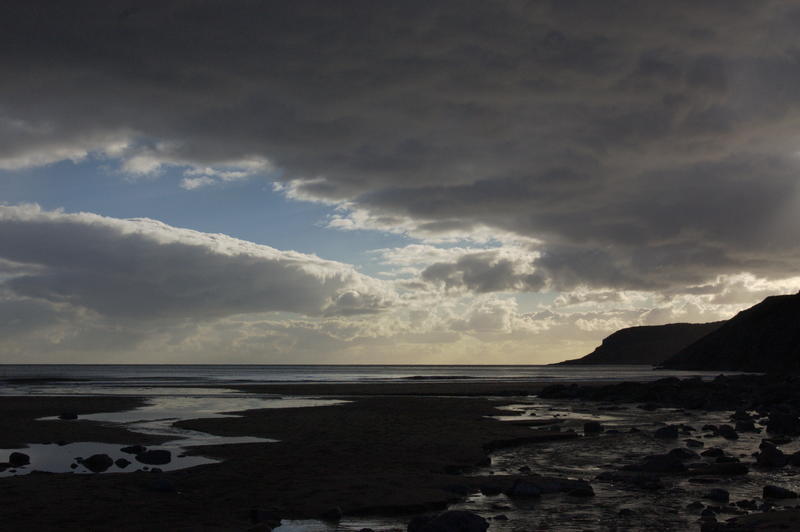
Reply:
x=389, y=182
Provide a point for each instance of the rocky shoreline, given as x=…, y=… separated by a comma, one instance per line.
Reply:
x=415, y=454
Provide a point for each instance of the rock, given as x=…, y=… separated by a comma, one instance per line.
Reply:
x=97, y=463
x=669, y=432
x=154, y=457
x=747, y=504
x=268, y=516
x=724, y=469
x=726, y=459
x=727, y=432
x=73, y=466
x=683, y=454
x=592, y=427
x=710, y=428
x=746, y=426
x=582, y=491
x=122, y=463
x=626, y=512
x=713, y=452
x=660, y=463
x=68, y=415
x=449, y=521
x=776, y=492
x=718, y=495
x=501, y=517
x=524, y=469
x=523, y=488
x=794, y=459
x=771, y=456
x=694, y=443
x=134, y=449
x=785, y=424
x=695, y=506
x=19, y=459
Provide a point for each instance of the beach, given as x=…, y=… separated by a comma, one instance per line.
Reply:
x=390, y=452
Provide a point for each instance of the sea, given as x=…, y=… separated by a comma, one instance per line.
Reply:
x=41, y=378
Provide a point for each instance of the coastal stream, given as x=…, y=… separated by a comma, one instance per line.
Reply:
x=164, y=407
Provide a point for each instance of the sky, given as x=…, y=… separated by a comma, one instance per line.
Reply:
x=449, y=182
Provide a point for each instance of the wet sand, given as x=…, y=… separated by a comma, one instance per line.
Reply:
x=396, y=449
x=379, y=454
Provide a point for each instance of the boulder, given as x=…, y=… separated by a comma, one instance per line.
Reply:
x=449, y=521
x=122, y=463
x=97, y=463
x=713, y=452
x=771, y=456
x=592, y=427
x=683, y=454
x=523, y=488
x=134, y=449
x=718, y=495
x=670, y=432
x=694, y=443
x=785, y=424
x=776, y=492
x=19, y=459
x=154, y=457
x=727, y=432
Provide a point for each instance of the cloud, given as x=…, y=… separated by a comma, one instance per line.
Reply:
x=144, y=269
x=624, y=133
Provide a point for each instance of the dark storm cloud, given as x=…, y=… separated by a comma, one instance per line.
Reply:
x=647, y=144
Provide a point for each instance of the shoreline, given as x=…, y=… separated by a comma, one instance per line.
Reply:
x=396, y=449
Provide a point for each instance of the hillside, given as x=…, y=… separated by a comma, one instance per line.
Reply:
x=763, y=338
x=650, y=344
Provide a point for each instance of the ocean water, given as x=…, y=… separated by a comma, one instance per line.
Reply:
x=29, y=376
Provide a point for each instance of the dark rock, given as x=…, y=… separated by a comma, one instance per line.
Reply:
x=501, y=517
x=713, y=452
x=747, y=504
x=626, y=512
x=649, y=344
x=592, y=427
x=73, y=466
x=582, y=491
x=524, y=469
x=724, y=469
x=711, y=428
x=154, y=457
x=695, y=506
x=19, y=459
x=668, y=433
x=776, y=492
x=269, y=516
x=523, y=488
x=134, y=449
x=449, y=521
x=726, y=459
x=97, y=463
x=771, y=456
x=68, y=415
x=763, y=338
x=660, y=463
x=683, y=454
x=794, y=459
x=727, y=432
x=746, y=426
x=694, y=443
x=718, y=495
x=785, y=424
x=122, y=463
